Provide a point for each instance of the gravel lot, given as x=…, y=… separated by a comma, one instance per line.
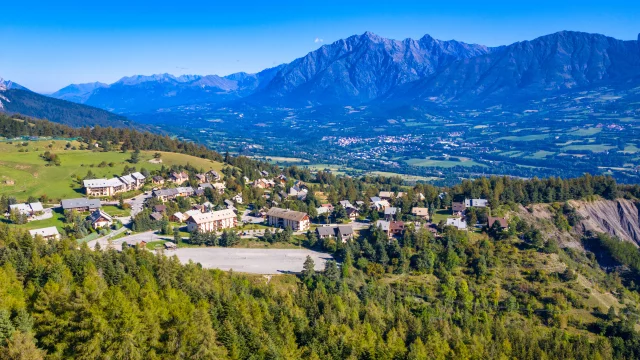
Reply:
x=257, y=261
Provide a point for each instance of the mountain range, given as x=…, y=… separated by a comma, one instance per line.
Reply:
x=368, y=68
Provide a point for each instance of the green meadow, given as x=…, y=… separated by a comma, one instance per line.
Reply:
x=24, y=174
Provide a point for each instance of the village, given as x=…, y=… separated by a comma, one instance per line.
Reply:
x=185, y=208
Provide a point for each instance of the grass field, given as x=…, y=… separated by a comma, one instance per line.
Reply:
x=115, y=211
x=585, y=132
x=57, y=220
x=540, y=154
x=33, y=177
x=404, y=177
x=596, y=148
x=442, y=163
x=524, y=138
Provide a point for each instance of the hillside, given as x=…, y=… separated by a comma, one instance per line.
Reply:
x=60, y=111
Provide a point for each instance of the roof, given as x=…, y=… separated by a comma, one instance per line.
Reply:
x=385, y=194
x=287, y=214
x=346, y=204
x=127, y=179
x=502, y=221
x=95, y=183
x=165, y=192
x=390, y=211
x=396, y=225
x=343, y=230
x=97, y=214
x=229, y=202
x=80, y=203
x=45, y=232
x=420, y=211
x=326, y=231
x=138, y=176
x=219, y=186
x=190, y=213
x=457, y=222
x=188, y=190
x=352, y=211
x=375, y=199
x=159, y=208
x=158, y=178
x=27, y=208
x=179, y=215
x=203, y=218
x=156, y=216
x=383, y=224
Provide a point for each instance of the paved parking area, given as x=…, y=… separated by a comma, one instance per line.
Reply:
x=257, y=261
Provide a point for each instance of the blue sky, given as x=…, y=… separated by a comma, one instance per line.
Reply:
x=49, y=44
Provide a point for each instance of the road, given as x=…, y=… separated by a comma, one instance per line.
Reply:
x=256, y=261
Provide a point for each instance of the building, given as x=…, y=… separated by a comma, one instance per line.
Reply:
x=296, y=220
x=420, y=212
x=346, y=204
x=156, y=216
x=212, y=175
x=213, y=221
x=345, y=232
x=237, y=198
x=264, y=183
x=476, y=203
x=170, y=194
x=502, y=221
x=179, y=177
x=298, y=192
x=200, y=178
x=390, y=213
x=48, y=233
x=459, y=223
x=80, y=204
x=28, y=209
x=100, y=219
x=458, y=207
x=386, y=195
x=391, y=228
x=353, y=213
x=110, y=187
x=177, y=217
x=157, y=180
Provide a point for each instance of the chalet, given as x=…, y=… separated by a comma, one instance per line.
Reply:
x=390, y=213
x=200, y=178
x=383, y=225
x=213, y=221
x=325, y=209
x=396, y=228
x=420, y=212
x=212, y=175
x=344, y=232
x=156, y=216
x=157, y=180
x=374, y=199
x=353, y=213
x=177, y=217
x=80, y=204
x=298, y=192
x=386, y=195
x=48, y=233
x=219, y=187
x=296, y=220
x=237, y=198
x=179, y=177
x=263, y=184
x=160, y=208
x=346, y=204
x=458, y=207
x=502, y=221
x=458, y=222
x=100, y=219
x=170, y=194
x=28, y=209
x=380, y=204
x=110, y=187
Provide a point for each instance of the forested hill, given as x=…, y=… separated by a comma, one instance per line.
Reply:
x=60, y=111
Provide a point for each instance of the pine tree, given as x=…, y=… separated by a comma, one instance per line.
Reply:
x=308, y=269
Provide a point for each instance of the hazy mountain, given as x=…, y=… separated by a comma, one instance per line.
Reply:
x=77, y=92
x=141, y=93
x=529, y=69
x=8, y=84
x=371, y=69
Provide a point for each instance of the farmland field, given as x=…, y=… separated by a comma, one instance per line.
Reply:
x=442, y=163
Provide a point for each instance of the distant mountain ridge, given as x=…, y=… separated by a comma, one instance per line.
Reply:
x=368, y=68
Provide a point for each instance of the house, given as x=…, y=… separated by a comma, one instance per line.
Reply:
x=281, y=179
x=100, y=219
x=386, y=195
x=200, y=178
x=157, y=180
x=237, y=198
x=359, y=203
x=264, y=173
x=179, y=177
x=230, y=204
x=177, y=217
x=420, y=212
x=380, y=205
x=346, y=204
x=476, y=203
x=458, y=222
x=296, y=220
x=458, y=207
x=212, y=175
x=212, y=221
x=345, y=232
x=353, y=213
x=80, y=204
x=263, y=183
x=219, y=187
x=160, y=208
x=110, y=187
x=28, y=209
x=383, y=225
x=298, y=192
x=390, y=213
x=48, y=233
x=170, y=194
x=156, y=216
x=502, y=221
x=396, y=228
x=375, y=199
x=190, y=213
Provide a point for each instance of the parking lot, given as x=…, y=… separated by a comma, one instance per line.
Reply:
x=257, y=261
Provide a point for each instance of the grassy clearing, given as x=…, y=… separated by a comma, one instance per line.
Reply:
x=409, y=178
x=33, y=177
x=524, y=138
x=540, y=154
x=116, y=211
x=441, y=215
x=596, y=148
x=585, y=132
x=442, y=163
x=57, y=220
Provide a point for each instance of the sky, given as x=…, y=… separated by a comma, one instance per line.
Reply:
x=47, y=45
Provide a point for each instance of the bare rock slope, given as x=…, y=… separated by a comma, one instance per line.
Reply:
x=618, y=218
